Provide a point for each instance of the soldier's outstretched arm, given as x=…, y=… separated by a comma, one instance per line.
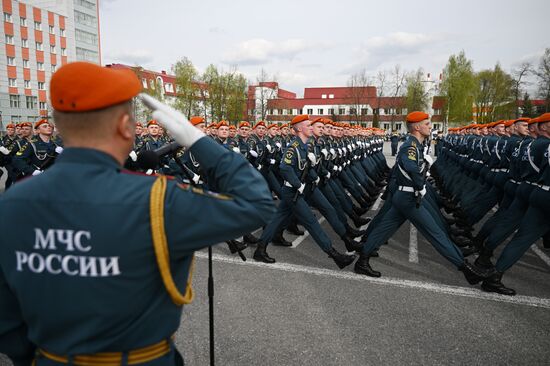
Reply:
x=13, y=331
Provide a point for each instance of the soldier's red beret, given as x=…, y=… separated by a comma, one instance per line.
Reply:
x=40, y=123
x=244, y=124
x=223, y=123
x=83, y=86
x=25, y=124
x=152, y=122
x=299, y=118
x=544, y=118
x=273, y=125
x=195, y=120
x=523, y=119
x=10, y=125
x=261, y=123
x=417, y=116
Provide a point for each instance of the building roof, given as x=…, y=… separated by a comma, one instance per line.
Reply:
x=340, y=92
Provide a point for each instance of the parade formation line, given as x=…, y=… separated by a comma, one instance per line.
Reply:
x=419, y=285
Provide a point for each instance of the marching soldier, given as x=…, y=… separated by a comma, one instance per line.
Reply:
x=84, y=280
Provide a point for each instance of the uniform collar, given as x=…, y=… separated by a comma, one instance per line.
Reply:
x=80, y=155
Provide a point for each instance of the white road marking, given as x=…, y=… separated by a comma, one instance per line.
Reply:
x=541, y=254
x=300, y=239
x=413, y=245
x=417, y=285
x=376, y=204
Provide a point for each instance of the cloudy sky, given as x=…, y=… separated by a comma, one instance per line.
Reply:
x=306, y=43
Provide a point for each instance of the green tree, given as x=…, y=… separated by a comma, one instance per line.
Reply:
x=458, y=87
x=186, y=86
x=494, y=95
x=154, y=89
x=417, y=96
x=527, y=107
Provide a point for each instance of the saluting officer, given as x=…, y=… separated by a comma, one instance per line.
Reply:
x=86, y=279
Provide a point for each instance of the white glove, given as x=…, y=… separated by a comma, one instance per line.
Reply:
x=272, y=161
x=349, y=147
x=335, y=168
x=278, y=144
x=317, y=181
x=176, y=123
x=324, y=152
x=36, y=172
x=253, y=153
x=302, y=187
x=339, y=151
x=4, y=151
x=332, y=151
x=59, y=150
x=259, y=166
x=429, y=159
x=428, y=174
x=196, y=178
x=340, y=168
x=345, y=150
x=132, y=155
x=149, y=171
x=423, y=192
x=312, y=158
x=328, y=175
x=269, y=148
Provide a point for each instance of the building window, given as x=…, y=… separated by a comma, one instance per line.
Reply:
x=14, y=101
x=12, y=83
x=52, y=49
x=341, y=111
x=364, y=111
x=11, y=61
x=387, y=111
x=323, y=96
x=31, y=102
x=40, y=66
x=398, y=111
x=41, y=85
x=352, y=111
x=289, y=111
x=15, y=119
x=398, y=126
x=52, y=29
x=27, y=84
x=331, y=111
x=25, y=43
x=143, y=81
x=9, y=39
x=310, y=111
x=86, y=37
x=375, y=111
x=63, y=52
x=86, y=4
x=88, y=55
x=23, y=21
x=320, y=111
x=42, y=106
x=331, y=96
x=8, y=18
x=54, y=68
x=437, y=111
x=26, y=64
x=280, y=112
x=39, y=46
x=62, y=32
x=37, y=25
x=386, y=126
x=83, y=18
x=169, y=87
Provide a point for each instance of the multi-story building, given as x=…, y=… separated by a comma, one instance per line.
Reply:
x=38, y=37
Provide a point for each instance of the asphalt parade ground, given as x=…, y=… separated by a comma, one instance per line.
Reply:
x=303, y=310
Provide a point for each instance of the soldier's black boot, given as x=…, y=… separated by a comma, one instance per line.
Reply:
x=353, y=233
x=261, y=255
x=359, y=221
x=280, y=240
x=494, y=284
x=363, y=267
x=359, y=210
x=293, y=229
x=473, y=274
x=250, y=239
x=341, y=260
x=484, y=259
x=235, y=246
x=351, y=245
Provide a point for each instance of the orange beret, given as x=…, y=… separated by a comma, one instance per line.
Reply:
x=261, y=123
x=139, y=124
x=299, y=118
x=223, y=123
x=284, y=125
x=25, y=124
x=195, y=120
x=317, y=120
x=232, y=127
x=533, y=120
x=152, y=122
x=40, y=123
x=544, y=118
x=417, y=116
x=10, y=125
x=523, y=119
x=244, y=124
x=274, y=125
x=83, y=86
x=509, y=123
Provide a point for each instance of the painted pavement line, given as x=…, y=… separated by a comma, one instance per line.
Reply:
x=541, y=254
x=376, y=204
x=413, y=244
x=418, y=285
x=301, y=238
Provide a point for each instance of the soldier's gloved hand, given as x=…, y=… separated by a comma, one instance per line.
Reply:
x=149, y=171
x=332, y=151
x=37, y=171
x=196, y=178
x=340, y=168
x=133, y=155
x=429, y=159
x=237, y=150
x=183, y=132
x=269, y=148
x=253, y=153
x=423, y=192
x=324, y=152
x=272, y=161
x=278, y=144
x=335, y=168
x=317, y=181
x=59, y=150
x=4, y=151
x=312, y=158
x=301, y=189
x=327, y=176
